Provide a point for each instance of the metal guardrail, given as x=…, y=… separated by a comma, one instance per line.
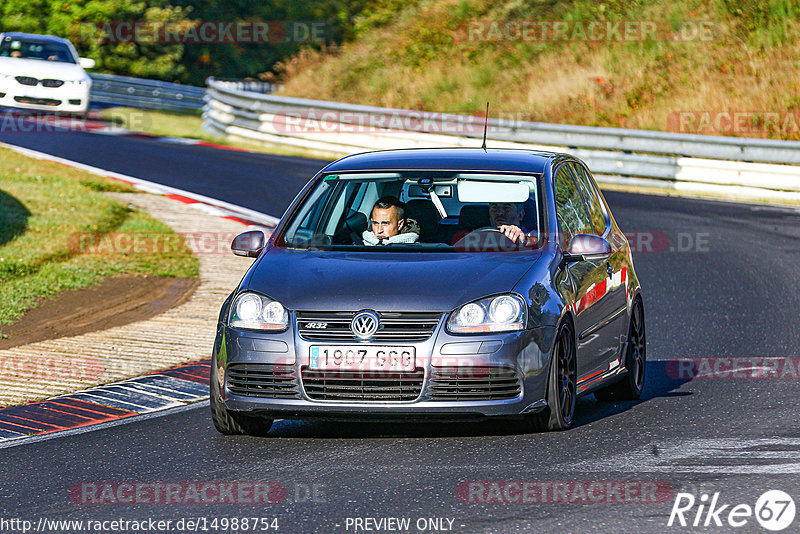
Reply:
x=141, y=93
x=738, y=167
x=251, y=86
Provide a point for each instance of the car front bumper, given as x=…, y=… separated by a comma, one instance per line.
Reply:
x=525, y=355
x=69, y=98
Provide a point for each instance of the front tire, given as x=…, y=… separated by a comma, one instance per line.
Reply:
x=561, y=385
x=632, y=384
x=233, y=423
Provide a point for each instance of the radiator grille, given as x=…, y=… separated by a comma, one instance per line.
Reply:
x=394, y=326
x=38, y=101
x=473, y=383
x=272, y=381
x=362, y=385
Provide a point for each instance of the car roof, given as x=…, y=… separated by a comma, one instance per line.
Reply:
x=34, y=37
x=445, y=159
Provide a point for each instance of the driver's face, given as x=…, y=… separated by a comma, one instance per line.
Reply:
x=385, y=223
x=505, y=213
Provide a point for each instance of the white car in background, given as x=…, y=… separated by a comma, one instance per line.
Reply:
x=42, y=72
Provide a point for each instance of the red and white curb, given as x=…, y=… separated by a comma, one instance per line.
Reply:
x=209, y=205
x=163, y=390
x=146, y=394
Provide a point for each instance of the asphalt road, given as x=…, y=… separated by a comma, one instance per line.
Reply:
x=722, y=282
x=257, y=181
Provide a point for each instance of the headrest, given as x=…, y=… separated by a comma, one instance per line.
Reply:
x=474, y=216
x=529, y=220
x=356, y=222
x=426, y=215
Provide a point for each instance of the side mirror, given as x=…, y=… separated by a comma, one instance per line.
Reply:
x=86, y=63
x=249, y=244
x=587, y=247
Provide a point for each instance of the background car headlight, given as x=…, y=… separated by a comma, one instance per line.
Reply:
x=256, y=312
x=503, y=313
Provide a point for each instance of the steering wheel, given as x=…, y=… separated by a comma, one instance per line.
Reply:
x=357, y=240
x=501, y=243
x=495, y=229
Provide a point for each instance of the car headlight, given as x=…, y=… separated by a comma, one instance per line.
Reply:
x=503, y=313
x=256, y=312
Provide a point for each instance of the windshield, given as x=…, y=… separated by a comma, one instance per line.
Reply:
x=419, y=211
x=30, y=49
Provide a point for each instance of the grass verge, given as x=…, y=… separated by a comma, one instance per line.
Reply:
x=699, y=61
x=44, y=208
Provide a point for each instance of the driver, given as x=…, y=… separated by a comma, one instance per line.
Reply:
x=389, y=224
x=507, y=216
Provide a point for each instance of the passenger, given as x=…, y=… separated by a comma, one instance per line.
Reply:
x=507, y=216
x=389, y=224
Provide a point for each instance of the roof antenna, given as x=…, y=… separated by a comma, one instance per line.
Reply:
x=485, y=127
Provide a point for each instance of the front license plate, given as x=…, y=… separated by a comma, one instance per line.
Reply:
x=362, y=358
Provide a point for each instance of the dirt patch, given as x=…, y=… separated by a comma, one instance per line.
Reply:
x=115, y=302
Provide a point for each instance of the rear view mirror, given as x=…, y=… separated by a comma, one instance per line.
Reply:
x=587, y=247
x=86, y=63
x=474, y=191
x=249, y=244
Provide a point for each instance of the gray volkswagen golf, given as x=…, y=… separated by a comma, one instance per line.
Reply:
x=445, y=284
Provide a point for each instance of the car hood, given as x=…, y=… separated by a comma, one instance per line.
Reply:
x=332, y=281
x=37, y=68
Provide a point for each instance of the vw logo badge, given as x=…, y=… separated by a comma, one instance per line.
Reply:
x=365, y=324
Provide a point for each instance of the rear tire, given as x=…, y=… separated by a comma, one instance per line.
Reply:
x=635, y=361
x=233, y=423
x=561, y=385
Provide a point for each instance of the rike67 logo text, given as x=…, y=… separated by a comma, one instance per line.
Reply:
x=774, y=510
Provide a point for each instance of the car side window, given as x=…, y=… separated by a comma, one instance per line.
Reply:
x=592, y=200
x=573, y=218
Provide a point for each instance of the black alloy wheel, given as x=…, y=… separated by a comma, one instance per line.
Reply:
x=561, y=389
